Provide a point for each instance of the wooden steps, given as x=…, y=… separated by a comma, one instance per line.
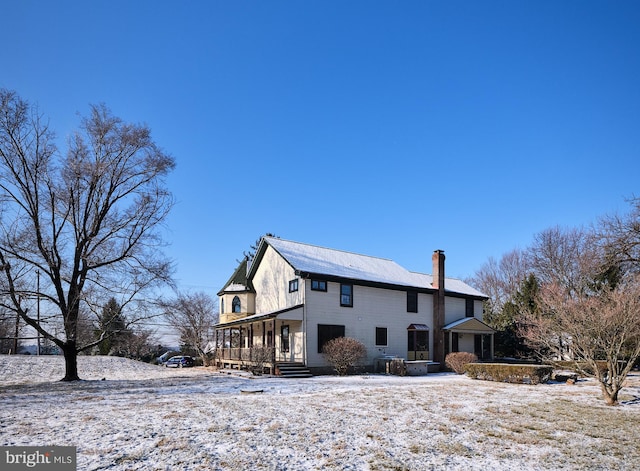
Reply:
x=292, y=370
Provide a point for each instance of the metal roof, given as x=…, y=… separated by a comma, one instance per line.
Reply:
x=312, y=259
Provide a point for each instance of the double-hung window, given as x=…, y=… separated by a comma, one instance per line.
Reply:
x=469, y=308
x=381, y=337
x=412, y=301
x=293, y=285
x=346, y=295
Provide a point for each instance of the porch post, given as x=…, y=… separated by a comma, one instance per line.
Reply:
x=224, y=340
x=222, y=348
x=215, y=346
x=492, y=345
x=273, y=352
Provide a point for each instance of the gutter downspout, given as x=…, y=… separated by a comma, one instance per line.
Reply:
x=304, y=323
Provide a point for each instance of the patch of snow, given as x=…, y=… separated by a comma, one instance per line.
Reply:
x=145, y=417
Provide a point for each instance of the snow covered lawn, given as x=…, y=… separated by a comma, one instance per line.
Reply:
x=145, y=417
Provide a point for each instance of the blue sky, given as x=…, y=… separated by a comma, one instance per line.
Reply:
x=381, y=127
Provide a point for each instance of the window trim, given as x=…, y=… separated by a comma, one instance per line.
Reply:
x=284, y=338
x=348, y=303
x=319, y=284
x=386, y=336
x=293, y=285
x=236, y=302
x=329, y=330
x=412, y=304
x=469, y=308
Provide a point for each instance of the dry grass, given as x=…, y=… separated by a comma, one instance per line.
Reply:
x=447, y=422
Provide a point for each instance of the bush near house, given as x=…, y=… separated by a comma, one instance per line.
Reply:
x=458, y=360
x=256, y=359
x=343, y=353
x=501, y=372
x=398, y=367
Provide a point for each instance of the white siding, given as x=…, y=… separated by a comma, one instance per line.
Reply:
x=454, y=309
x=372, y=307
x=466, y=343
x=271, y=283
x=247, y=302
x=478, y=310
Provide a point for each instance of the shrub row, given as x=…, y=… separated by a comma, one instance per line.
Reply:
x=506, y=373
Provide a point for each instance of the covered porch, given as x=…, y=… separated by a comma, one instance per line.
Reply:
x=470, y=335
x=265, y=343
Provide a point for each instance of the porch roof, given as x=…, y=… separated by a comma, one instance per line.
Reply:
x=470, y=325
x=292, y=313
x=418, y=327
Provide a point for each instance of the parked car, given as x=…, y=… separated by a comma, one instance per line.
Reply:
x=162, y=359
x=180, y=362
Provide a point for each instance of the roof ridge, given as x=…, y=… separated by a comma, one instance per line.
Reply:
x=431, y=274
x=334, y=250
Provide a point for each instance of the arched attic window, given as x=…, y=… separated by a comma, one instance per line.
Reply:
x=235, y=304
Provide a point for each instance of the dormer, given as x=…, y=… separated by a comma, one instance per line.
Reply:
x=238, y=298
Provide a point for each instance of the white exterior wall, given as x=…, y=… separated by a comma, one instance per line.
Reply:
x=478, y=310
x=372, y=307
x=454, y=309
x=296, y=341
x=466, y=343
x=271, y=282
x=247, y=302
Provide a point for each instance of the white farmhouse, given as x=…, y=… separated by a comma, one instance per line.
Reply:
x=295, y=297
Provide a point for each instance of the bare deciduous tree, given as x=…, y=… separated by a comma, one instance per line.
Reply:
x=620, y=237
x=598, y=333
x=193, y=316
x=568, y=257
x=343, y=353
x=500, y=280
x=8, y=341
x=87, y=220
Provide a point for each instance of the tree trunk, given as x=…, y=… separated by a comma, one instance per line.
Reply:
x=610, y=393
x=70, y=361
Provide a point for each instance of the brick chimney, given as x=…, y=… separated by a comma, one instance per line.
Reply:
x=438, y=306
x=438, y=268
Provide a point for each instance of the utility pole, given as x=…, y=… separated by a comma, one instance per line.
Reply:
x=15, y=338
x=38, y=307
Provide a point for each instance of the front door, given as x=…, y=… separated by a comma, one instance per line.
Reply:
x=418, y=345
